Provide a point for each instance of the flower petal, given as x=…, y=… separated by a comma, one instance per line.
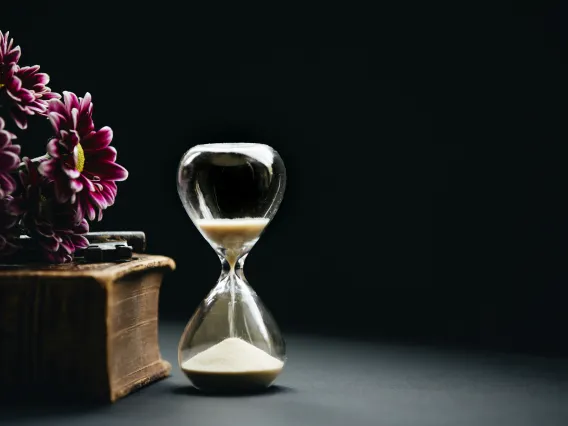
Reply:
x=75, y=185
x=97, y=140
x=56, y=120
x=90, y=211
x=107, y=154
x=107, y=171
x=70, y=100
x=14, y=85
x=38, y=106
x=16, y=149
x=70, y=172
x=47, y=168
x=109, y=192
x=53, y=148
x=13, y=56
x=20, y=118
x=50, y=244
x=55, y=105
x=87, y=183
x=67, y=245
x=85, y=104
x=8, y=160
x=98, y=199
x=7, y=184
x=40, y=78
x=45, y=230
x=74, y=117
x=79, y=241
x=49, y=95
x=82, y=227
x=28, y=71
x=26, y=95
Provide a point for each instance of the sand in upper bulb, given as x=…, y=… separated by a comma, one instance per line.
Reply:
x=230, y=365
x=232, y=234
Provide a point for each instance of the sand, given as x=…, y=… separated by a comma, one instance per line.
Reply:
x=232, y=234
x=232, y=364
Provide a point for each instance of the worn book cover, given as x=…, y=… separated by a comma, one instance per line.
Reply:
x=87, y=330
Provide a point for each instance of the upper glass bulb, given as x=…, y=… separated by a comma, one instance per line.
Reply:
x=231, y=191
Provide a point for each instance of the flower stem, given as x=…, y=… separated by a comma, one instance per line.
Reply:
x=39, y=159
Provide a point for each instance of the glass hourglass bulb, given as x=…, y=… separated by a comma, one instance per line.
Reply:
x=231, y=191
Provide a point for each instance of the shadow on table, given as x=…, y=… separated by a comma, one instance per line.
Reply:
x=30, y=408
x=190, y=390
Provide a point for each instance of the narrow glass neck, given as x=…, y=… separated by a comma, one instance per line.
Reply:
x=236, y=267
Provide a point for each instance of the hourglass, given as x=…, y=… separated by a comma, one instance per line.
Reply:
x=231, y=191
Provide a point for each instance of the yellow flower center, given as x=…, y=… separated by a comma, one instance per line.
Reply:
x=2, y=85
x=80, y=162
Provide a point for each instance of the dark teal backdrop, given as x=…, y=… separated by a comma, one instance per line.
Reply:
x=426, y=158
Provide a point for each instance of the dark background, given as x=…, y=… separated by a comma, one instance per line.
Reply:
x=425, y=150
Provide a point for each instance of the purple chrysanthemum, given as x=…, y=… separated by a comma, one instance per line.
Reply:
x=53, y=225
x=82, y=165
x=25, y=87
x=9, y=160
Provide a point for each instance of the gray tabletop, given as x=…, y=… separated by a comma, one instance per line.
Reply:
x=346, y=383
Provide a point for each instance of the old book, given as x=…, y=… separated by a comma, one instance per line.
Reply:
x=82, y=330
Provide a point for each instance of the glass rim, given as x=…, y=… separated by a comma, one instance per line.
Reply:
x=238, y=144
